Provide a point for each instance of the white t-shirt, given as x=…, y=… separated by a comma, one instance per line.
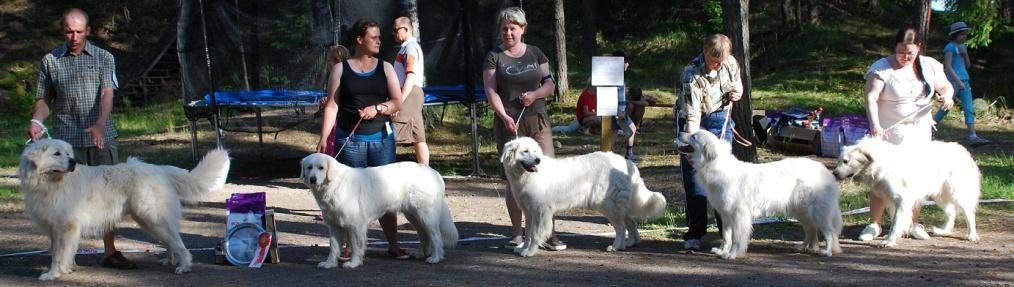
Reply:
x=410, y=47
x=905, y=94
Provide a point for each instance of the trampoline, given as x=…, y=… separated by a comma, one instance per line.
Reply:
x=238, y=58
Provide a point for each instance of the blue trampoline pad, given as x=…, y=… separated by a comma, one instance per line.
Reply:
x=265, y=98
x=452, y=94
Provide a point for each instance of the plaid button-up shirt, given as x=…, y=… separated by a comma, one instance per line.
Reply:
x=72, y=87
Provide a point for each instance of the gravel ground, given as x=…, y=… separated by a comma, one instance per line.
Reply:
x=480, y=214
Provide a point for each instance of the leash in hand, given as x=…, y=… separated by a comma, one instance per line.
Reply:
x=349, y=138
x=45, y=131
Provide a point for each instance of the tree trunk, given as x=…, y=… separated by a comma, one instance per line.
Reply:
x=737, y=27
x=922, y=21
x=562, y=84
x=788, y=19
x=814, y=12
x=588, y=44
x=799, y=13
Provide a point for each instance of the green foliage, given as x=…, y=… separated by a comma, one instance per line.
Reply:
x=982, y=15
x=16, y=99
x=713, y=9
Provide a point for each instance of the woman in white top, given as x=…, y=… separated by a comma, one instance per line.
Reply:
x=899, y=90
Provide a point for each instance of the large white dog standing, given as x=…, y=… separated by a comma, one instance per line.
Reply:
x=351, y=198
x=68, y=201
x=908, y=174
x=741, y=191
x=544, y=186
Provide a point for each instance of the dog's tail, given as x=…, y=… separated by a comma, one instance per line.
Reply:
x=645, y=204
x=209, y=175
x=448, y=231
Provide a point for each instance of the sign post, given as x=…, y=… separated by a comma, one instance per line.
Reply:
x=607, y=78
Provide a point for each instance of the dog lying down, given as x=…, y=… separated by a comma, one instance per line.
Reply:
x=741, y=191
x=907, y=174
x=67, y=200
x=544, y=186
x=351, y=198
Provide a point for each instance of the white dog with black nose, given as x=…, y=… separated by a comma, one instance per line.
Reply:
x=741, y=191
x=68, y=201
x=603, y=181
x=351, y=198
x=944, y=171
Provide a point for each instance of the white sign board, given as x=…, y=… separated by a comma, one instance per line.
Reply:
x=606, y=101
x=607, y=71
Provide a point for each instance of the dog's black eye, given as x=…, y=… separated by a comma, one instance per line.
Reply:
x=320, y=167
x=57, y=154
x=845, y=161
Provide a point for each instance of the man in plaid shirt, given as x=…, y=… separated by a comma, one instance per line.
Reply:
x=76, y=81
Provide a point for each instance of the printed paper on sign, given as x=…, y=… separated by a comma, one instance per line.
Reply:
x=607, y=71
x=606, y=101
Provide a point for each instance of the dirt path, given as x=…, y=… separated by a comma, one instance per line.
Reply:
x=479, y=212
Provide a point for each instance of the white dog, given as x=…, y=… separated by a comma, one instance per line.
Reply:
x=351, y=198
x=741, y=191
x=908, y=174
x=544, y=186
x=69, y=201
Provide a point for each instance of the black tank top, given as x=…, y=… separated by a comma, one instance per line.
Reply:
x=358, y=91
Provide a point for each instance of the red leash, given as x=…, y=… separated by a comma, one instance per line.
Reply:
x=349, y=138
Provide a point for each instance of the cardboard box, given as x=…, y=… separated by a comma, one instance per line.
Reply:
x=269, y=226
x=796, y=139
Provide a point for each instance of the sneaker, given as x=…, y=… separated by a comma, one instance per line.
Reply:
x=871, y=231
x=919, y=232
x=977, y=141
x=117, y=261
x=517, y=242
x=692, y=244
x=554, y=244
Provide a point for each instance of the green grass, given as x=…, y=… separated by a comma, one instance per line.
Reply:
x=130, y=122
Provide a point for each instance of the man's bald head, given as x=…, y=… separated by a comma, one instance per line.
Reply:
x=403, y=21
x=75, y=15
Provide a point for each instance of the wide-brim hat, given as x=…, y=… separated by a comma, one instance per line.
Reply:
x=958, y=27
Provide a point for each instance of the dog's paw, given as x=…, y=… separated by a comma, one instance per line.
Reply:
x=610, y=248
x=632, y=242
x=327, y=264
x=526, y=252
x=182, y=270
x=728, y=256
x=717, y=251
x=824, y=253
x=973, y=237
x=49, y=276
x=434, y=259
x=888, y=244
x=352, y=263
x=939, y=231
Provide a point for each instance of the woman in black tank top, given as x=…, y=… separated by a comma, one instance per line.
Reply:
x=360, y=99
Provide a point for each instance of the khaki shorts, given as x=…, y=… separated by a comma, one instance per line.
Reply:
x=409, y=126
x=93, y=156
x=535, y=126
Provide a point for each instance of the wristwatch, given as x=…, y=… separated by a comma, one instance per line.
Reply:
x=377, y=108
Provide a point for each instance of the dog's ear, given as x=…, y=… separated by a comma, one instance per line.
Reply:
x=509, y=150
x=302, y=168
x=331, y=169
x=710, y=147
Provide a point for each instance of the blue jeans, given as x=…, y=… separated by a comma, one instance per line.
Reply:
x=366, y=153
x=967, y=104
x=696, y=197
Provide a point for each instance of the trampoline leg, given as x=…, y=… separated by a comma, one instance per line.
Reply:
x=193, y=138
x=260, y=131
x=475, y=144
